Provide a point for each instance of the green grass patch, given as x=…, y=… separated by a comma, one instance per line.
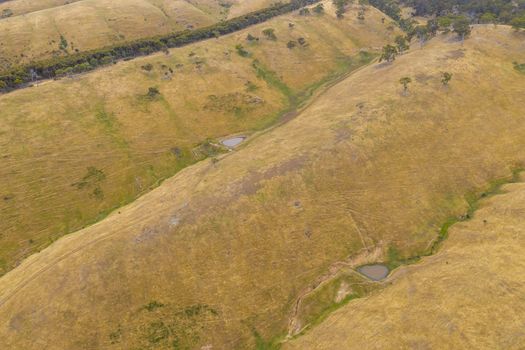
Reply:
x=520, y=67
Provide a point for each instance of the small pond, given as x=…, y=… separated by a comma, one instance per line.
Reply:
x=233, y=142
x=376, y=272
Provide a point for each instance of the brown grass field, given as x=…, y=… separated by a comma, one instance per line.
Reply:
x=75, y=149
x=34, y=31
x=218, y=255
x=467, y=296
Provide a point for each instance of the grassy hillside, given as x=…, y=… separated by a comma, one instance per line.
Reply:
x=74, y=149
x=468, y=296
x=219, y=254
x=62, y=28
x=244, y=6
x=21, y=7
x=214, y=7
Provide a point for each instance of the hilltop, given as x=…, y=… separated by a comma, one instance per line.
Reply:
x=219, y=254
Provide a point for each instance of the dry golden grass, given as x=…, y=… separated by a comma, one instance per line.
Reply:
x=240, y=7
x=219, y=254
x=52, y=133
x=468, y=296
x=21, y=7
x=35, y=29
x=91, y=24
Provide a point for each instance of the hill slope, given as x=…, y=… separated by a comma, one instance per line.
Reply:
x=468, y=296
x=75, y=149
x=218, y=255
x=69, y=27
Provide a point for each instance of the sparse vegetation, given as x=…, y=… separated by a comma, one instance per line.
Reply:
x=18, y=76
x=246, y=204
x=93, y=176
x=153, y=305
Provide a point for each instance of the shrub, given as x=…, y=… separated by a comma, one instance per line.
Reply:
x=269, y=33
x=63, y=43
x=304, y=12
x=6, y=13
x=445, y=78
x=241, y=51
x=153, y=92
x=520, y=67
x=250, y=37
x=319, y=9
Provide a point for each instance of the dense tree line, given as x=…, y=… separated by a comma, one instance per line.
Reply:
x=81, y=62
x=479, y=11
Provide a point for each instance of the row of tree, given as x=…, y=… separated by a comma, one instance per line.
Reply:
x=81, y=62
x=405, y=81
x=459, y=25
x=478, y=11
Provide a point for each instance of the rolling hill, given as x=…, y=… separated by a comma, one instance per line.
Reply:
x=220, y=255
x=75, y=149
x=468, y=296
x=39, y=30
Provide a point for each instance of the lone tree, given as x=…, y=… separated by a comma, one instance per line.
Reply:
x=389, y=53
x=405, y=81
x=445, y=78
x=402, y=44
x=462, y=27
